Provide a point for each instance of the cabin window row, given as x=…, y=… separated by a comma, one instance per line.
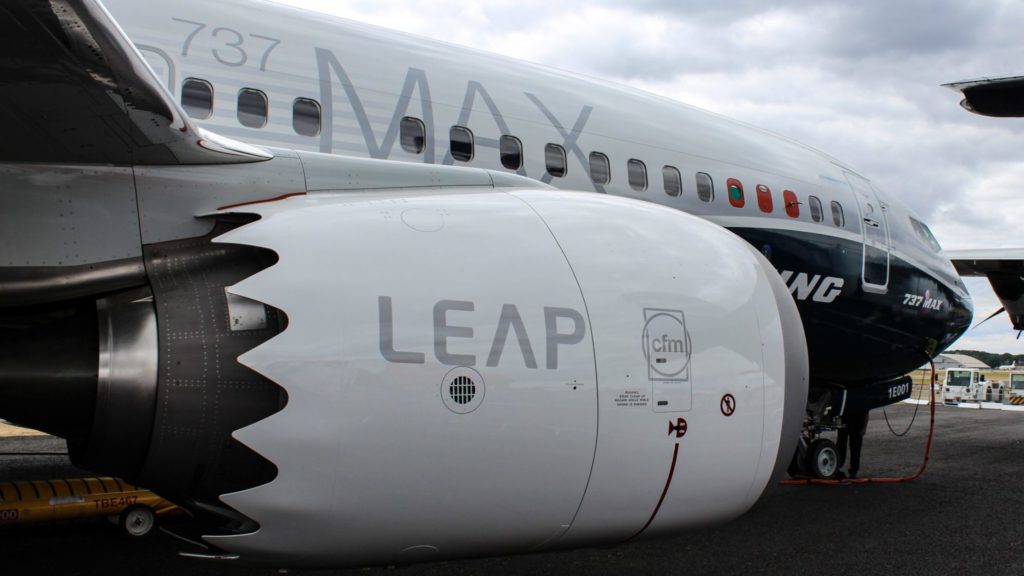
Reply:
x=461, y=145
x=412, y=136
x=197, y=99
x=253, y=107
x=838, y=218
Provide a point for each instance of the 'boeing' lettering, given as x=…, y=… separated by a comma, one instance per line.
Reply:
x=803, y=286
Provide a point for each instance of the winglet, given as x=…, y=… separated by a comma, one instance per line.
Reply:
x=999, y=97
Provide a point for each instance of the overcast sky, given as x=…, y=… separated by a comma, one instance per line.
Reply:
x=857, y=80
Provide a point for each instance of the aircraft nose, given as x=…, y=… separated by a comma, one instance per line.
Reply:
x=961, y=317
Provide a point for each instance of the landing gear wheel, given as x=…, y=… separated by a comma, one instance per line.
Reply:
x=137, y=521
x=823, y=458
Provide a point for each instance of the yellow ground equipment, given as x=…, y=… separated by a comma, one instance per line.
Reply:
x=39, y=501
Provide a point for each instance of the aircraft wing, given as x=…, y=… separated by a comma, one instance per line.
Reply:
x=73, y=89
x=1004, y=269
x=1000, y=97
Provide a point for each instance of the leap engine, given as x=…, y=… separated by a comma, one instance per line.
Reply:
x=345, y=378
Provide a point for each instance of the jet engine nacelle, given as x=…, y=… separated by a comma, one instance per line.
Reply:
x=359, y=378
x=476, y=373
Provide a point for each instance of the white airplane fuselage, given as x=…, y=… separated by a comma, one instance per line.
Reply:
x=877, y=295
x=388, y=337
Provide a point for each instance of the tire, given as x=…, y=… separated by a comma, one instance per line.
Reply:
x=137, y=520
x=823, y=459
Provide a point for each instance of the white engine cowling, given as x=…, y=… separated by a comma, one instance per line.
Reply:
x=475, y=373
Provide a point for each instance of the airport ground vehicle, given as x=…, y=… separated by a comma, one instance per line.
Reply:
x=1015, y=384
x=33, y=502
x=960, y=384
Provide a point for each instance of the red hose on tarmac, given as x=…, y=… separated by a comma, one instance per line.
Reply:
x=881, y=480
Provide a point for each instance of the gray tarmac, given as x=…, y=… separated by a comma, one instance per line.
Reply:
x=964, y=516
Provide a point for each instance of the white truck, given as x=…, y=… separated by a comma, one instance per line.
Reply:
x=961, y=384
x=1015, y=385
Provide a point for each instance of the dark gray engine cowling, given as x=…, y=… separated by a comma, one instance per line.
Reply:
x=158, y=365
x=203, y=393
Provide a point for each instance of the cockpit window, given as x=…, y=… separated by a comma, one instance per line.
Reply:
x=926, y=236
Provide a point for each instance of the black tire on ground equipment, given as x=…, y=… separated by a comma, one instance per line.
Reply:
x=137, y=520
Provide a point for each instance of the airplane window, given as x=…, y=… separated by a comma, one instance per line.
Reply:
x=793, y=205
x=764, y=198
x=511, y=150
x=554, y=158
x=925, y=234
x=815, y=204
x=413, y=134
x=837, y=214
x=306, y=117
x=461, y=142
x=705, y=187
x=735, y=188
x=600, y=168
x=637, y=173
x=673, y=181
x=252, y=108
x=197, y=98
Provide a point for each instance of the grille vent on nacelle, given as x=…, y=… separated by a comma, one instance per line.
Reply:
x=462, y=390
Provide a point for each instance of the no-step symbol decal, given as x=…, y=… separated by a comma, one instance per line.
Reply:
x=728, y=404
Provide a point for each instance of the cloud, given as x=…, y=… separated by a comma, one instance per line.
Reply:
x=886, y=30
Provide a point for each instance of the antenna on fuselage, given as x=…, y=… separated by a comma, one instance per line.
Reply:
x=993, y=315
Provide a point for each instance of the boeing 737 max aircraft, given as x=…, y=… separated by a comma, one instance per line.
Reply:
x=352, y=296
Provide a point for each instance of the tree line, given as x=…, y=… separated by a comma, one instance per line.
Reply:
x=993, y=360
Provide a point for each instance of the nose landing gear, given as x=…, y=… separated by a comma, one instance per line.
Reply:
x=817, y=459
x=823, y=458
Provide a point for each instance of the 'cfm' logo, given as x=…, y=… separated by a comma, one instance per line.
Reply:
x=666, y=344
